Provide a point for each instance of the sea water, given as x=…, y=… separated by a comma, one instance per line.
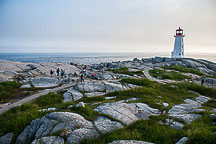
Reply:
x=91, y=57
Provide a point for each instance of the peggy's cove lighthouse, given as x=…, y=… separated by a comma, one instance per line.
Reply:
x=178, y=51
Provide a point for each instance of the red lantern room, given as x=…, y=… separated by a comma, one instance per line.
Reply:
x=179, y=32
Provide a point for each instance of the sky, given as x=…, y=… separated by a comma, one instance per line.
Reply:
x=106, y=25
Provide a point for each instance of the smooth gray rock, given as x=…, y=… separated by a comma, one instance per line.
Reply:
x=82, y=133
x=45, y=82
x=76, y=95
x=129, y=142
x=52, y=123
x=202, y=99
x=182, y=111
x=7, y=138
x=178, y=63
x=183, y=140
x=95, y=94
x=105, y=125
x=166, y=59
x=177, y=125
x=90, y=86
x=29, y=132
x=67, y=97
x=111, y=87
x=213, y=116
x=210, y=80
x=158, y=59
x=127, y=113
x=49, y=140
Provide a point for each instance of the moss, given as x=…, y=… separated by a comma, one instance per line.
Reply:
x=184, y=69
x=168, y=75
x=139, y=82
x=124, y=70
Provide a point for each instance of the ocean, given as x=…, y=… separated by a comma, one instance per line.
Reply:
x=92, y=57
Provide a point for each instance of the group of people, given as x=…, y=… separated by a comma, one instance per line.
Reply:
x=83, y=73
x=58, y=73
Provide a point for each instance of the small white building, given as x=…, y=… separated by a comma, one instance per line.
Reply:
x=178, y=51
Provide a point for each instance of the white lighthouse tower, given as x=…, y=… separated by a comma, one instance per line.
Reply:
x=178, y=51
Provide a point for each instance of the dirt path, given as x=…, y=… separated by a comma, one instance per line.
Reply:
x=148, y=76
x=32, y=97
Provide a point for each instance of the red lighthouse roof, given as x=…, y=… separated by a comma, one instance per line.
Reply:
x=179, y=32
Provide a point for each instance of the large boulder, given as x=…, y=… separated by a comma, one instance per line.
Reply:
x=192, y=64
x=52, y=123
x=111, y=86
x=72, y=95
x=45, y=82
x=90, y=86
x=49, y=140
x=186, y=111
x=7, y=138
x=210, y=80
x=158, y=59
x=127, y=113
x=105, y=125
x=80, y=134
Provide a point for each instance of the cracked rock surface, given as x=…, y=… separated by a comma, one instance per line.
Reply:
x=52, y=123
x=105, y=125
x=185, y=111
x=127, y=113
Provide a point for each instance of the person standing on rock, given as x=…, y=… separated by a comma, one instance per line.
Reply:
x=203, y=81
x=81, y=78
x=51, y=72
x=57, y=72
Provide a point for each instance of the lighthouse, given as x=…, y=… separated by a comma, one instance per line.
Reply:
x=178, y=51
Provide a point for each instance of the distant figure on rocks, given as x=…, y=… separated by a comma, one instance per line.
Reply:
x=57, y=71
x=203, y=81
x=51, y=72
x=62, y=73
x=85, y=67
x=81, y=78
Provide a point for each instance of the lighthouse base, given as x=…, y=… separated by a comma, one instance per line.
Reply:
x=177, y=55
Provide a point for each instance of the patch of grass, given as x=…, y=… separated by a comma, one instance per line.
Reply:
x=49, y=99
x=17, y=118
x=201, y=130
x=124, y=70
x=184, y=69
x=139, y=82
x=210, y=92
x=11, y=89
x=168, y=75
x=148, y=130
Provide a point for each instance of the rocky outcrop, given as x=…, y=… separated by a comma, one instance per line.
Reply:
x=127, y=113
x=80, y=134
x=90, y=86
x=49, y=140
x=183, y=140
x=105, y=125
x=11, y=69
x=52, y=123
x=72, y=95
x=185, y=111
x=129, y=142
x=45, y=82
x=7, y=138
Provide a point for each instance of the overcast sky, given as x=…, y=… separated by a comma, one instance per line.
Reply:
x=106, y=25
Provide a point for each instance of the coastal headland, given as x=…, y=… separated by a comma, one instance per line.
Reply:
x=139, y=101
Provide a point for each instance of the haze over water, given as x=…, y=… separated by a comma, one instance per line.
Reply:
x=90, y=57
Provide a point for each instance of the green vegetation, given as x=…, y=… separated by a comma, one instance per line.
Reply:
x=168, y=75
x=139, y=82
x=151, y=93
x=124, y=70
x=184, y=69
x=148, y=130
x=11, y=89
